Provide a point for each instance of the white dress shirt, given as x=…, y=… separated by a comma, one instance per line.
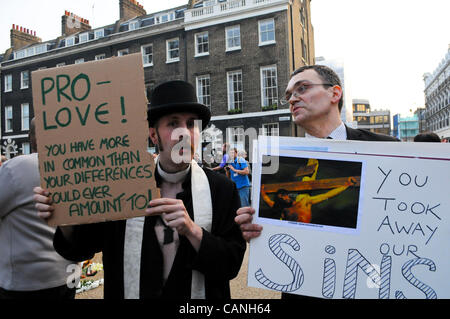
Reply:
x=340, y=133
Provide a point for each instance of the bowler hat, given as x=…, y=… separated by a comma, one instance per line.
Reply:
x=175, y=97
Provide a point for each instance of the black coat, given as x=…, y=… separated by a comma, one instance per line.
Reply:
x=363, y=135
x=219, y=258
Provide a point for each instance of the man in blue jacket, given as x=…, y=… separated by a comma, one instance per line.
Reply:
x=239, y=174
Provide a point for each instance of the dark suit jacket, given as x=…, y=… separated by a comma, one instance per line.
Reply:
x=363, y=135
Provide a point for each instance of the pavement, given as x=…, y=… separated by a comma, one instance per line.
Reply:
x=240, y=290
x=238, y=286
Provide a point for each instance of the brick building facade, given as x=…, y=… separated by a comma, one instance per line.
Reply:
x=237, y=53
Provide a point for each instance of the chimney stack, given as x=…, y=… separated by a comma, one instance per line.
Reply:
x=130, y=9
x=21, y=37
x=71, y=24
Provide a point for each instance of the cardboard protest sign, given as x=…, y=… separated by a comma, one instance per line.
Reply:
x=92, y=133
x=351, y=219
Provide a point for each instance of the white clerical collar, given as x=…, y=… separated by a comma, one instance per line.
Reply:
x=134, y=231
x=340, y=133
x=173, y=177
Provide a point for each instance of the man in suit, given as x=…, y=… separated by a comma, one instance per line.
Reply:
x=315, y=98
x=30, y=268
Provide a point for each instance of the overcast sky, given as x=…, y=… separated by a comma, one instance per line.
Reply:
x=386, y=45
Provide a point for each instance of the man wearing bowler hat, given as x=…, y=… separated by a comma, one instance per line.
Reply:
x=188, y=245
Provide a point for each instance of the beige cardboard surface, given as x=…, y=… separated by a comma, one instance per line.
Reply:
x=92, y=132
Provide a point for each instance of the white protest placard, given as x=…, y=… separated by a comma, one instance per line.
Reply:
x=351, y=219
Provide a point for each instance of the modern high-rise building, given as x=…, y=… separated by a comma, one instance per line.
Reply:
x=377, y=121
x=437, y=98
x=420, y=113
x=406, y=128
x=239, y=55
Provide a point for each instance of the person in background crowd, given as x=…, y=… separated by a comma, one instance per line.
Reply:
x=30, y=268
x=3, y=160
x=222, y=167
x=243, y=154
x=427, y=137
x=239, y=174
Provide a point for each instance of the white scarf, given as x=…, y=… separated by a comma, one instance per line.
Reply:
x=202, y=205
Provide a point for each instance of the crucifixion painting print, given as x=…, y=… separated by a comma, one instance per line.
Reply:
x=312, y=191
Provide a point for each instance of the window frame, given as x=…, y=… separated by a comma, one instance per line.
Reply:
x=267, y=42
x=22, y=118
x=264, y=89
x=26, y=148
x=227, y=38
x=149, y=87
x=168, y=58
x=30, y=51
x=144, y=54
x=70, y=38
x=271, y=126
x=197, y=44
x=304, y=50
x=100, y=56
x=236, y=136
x=27, y=85
x=98, y=31
x=200, y=88
x=134, y=23
x=20, y=54
x=165, y=17
x=82, y=35
x=123, y=52
x=233, y=93
x=41, y=48
x=302, y=17
x=8, y=80
x=11, y=129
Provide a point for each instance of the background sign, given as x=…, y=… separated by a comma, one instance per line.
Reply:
x=353, y=219
x=92, y=133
